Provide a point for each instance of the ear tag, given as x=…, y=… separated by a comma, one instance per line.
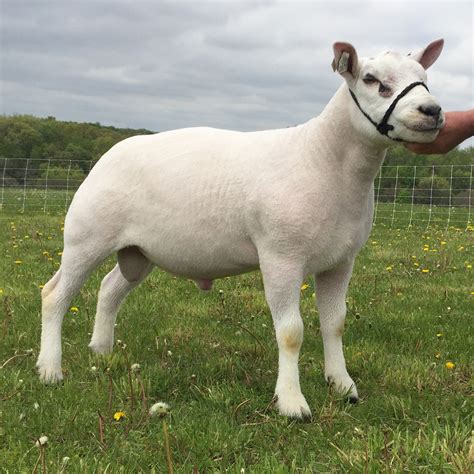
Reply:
x=343, y=65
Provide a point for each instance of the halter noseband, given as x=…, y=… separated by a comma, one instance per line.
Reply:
x=384, y=127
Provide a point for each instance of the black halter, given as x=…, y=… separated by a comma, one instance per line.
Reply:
x=383, y=127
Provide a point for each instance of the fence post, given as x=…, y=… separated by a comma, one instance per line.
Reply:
x=24, y=185
x=430, y=211
x=412, y=197
x=450, y=198
x=3, y=182
x=67, y=186
x=469, y=202
x=46, y=185
x=378, y=196
x=394, y=198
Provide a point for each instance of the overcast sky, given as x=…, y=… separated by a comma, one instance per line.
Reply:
x=241, y=65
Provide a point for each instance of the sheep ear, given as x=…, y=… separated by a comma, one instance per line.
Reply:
x=426, y=57
x=345, y=60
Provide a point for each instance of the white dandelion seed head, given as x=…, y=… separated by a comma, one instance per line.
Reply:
x=66, y=459
x=41, y=441
x=36, y=405
x=94, y=368
x=160, y=408
x=135, y=367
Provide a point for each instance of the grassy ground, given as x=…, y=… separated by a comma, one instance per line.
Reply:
x=213, y=358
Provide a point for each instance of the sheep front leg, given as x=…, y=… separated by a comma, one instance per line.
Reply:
x=331, y=288
x=282, y=283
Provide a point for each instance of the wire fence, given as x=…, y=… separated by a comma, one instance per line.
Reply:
x=405, y=196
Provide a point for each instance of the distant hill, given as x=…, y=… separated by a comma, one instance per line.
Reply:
x=25, y=136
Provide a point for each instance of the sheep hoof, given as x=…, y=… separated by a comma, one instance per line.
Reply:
x=343, y=385
x=352, y=400
x=49, y=375
x=293, y=406
x=101, y=348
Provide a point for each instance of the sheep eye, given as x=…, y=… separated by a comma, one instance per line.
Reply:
x=384, y=90
x=369, y=79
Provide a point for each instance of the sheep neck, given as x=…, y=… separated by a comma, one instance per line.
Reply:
x=352, y=153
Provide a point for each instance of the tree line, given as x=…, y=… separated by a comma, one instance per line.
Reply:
x=63, y=152
x=56, y=149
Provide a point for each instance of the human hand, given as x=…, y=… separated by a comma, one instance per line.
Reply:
x=459, y=127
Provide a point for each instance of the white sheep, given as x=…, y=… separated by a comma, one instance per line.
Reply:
x=204, y=203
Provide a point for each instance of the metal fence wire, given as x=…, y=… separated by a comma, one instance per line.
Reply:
x=405, y=196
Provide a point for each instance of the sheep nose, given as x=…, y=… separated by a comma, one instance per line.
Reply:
x=430, y=110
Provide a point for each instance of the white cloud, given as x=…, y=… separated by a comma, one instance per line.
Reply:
x=243, y=65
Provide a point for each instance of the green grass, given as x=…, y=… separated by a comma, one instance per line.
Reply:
x=213, y=358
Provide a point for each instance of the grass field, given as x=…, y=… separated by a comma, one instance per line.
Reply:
x=213, y=359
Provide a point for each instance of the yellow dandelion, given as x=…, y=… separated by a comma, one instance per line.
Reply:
x=472, y=293
x=438, y=355
x=440, y=334
x=59, y=254
x=18, y=262
x=389, y=268
x=40, y=287
x=74, y=309
x=45, y=253
x=425, y=270
x=443, y=242
x=416, y=264
x=1, y=291
x=118, y=415
x=469, y=266
x=450, y=365
x=304, y=286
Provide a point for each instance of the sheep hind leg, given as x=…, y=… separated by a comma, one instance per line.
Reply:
x=56, y=298
x=132, y=268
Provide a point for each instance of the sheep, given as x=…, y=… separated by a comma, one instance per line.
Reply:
x=205, y=203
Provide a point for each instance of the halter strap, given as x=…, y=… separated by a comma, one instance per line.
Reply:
x=384, y=127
